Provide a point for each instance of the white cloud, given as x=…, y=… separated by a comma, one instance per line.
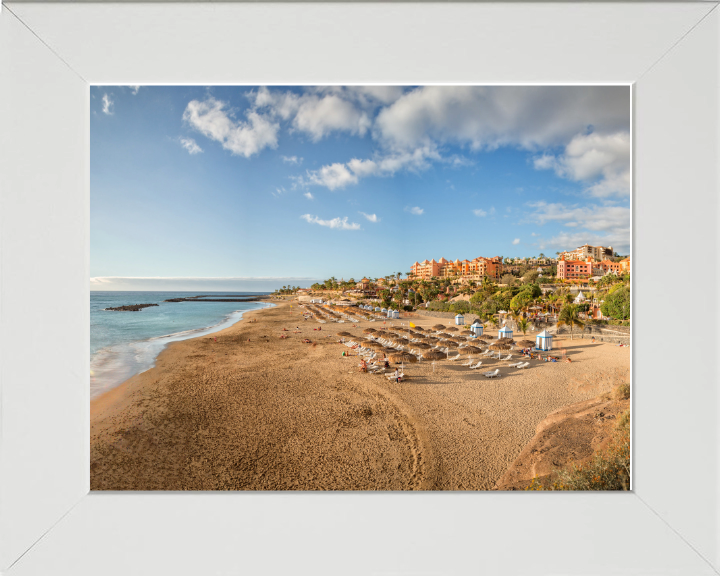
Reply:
x=291, y=160
x=481, y=213
x=134, y=89
x=108, y=105
x=601, y=161
x=337, y=223
x=339, y=175
x=416, y=211
x=317, y=114
x=597, y=225
x=190, y=145
x=530, y=117
x=309, y=196
x=516, y=241
x=243, y=138
x=332, y=177
x=371, y=217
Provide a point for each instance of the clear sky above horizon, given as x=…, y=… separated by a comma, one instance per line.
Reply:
x=252, y=188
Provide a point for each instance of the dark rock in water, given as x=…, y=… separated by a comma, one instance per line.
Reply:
x=131, y=307
x=198, y=299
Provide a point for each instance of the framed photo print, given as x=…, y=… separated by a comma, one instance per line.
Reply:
x=362, y=288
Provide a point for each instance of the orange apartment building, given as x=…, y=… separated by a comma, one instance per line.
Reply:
x=574, y=269
x=465, y=269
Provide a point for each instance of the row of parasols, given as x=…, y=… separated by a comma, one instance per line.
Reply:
x=428, y=340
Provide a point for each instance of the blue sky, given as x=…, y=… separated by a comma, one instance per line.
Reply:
x=242, y=188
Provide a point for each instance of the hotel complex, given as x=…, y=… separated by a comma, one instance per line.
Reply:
x=464, y=269
x=584, y=252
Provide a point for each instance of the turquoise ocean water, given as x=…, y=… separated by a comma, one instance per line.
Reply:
x=123, y=344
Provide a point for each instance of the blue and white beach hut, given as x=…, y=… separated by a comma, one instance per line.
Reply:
x=459, y=320
x=505, y=332
x=378, y=309
x=384, y=310
x=543, y=341
x=396, y=314
x=476, y=328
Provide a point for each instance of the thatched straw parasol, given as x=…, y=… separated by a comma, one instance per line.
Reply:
x=432, y=340
x=499, y=346
x=345, y=334
x=369, y=331
x=526, y=344
x=451, y=329
x=439, y=327
x=402, y=357
x=473, y=349
x=422, y=346
x=467, y=350
x=434, y=355
x=451, y=344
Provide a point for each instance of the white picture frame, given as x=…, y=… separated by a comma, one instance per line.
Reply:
x=49, y=522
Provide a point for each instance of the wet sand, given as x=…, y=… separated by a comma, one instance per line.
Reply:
x=277, y=414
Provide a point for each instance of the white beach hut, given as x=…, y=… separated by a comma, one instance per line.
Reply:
x=395, y=314
x=505, y=332
x=460, y=320
x=476, y=328
x=543, y=341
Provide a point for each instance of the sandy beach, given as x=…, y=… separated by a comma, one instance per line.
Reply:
x=243, y=409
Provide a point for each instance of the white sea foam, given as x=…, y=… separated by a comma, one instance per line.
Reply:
x=113, y=365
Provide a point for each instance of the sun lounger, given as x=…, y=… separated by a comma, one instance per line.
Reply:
x=494, y=374
x=476, y=366
x=508, y=357
x=468, y=363
x=454, y=358
x=523, y=365
x=515, y=365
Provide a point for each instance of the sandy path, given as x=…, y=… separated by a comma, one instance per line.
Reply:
x=274, y=414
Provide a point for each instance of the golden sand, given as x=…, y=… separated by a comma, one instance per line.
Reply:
x=243, y=409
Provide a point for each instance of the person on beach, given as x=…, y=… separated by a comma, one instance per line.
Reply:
x=397, y=375
x=593, y=339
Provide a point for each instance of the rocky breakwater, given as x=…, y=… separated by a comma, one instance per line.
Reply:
x=199, y=299
x=130, y=308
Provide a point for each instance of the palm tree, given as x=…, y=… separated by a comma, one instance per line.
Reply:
x=569, y=317
x=522, y=325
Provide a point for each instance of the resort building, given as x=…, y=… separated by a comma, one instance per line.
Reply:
x=610, y=267
x=574, y=269
x=474, y=269
x=364, y=284
x=625, y=264
x=584, y=252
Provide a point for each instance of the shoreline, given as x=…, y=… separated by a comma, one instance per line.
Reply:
x=236, y=315
x=100, y=402
x=276, y=414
